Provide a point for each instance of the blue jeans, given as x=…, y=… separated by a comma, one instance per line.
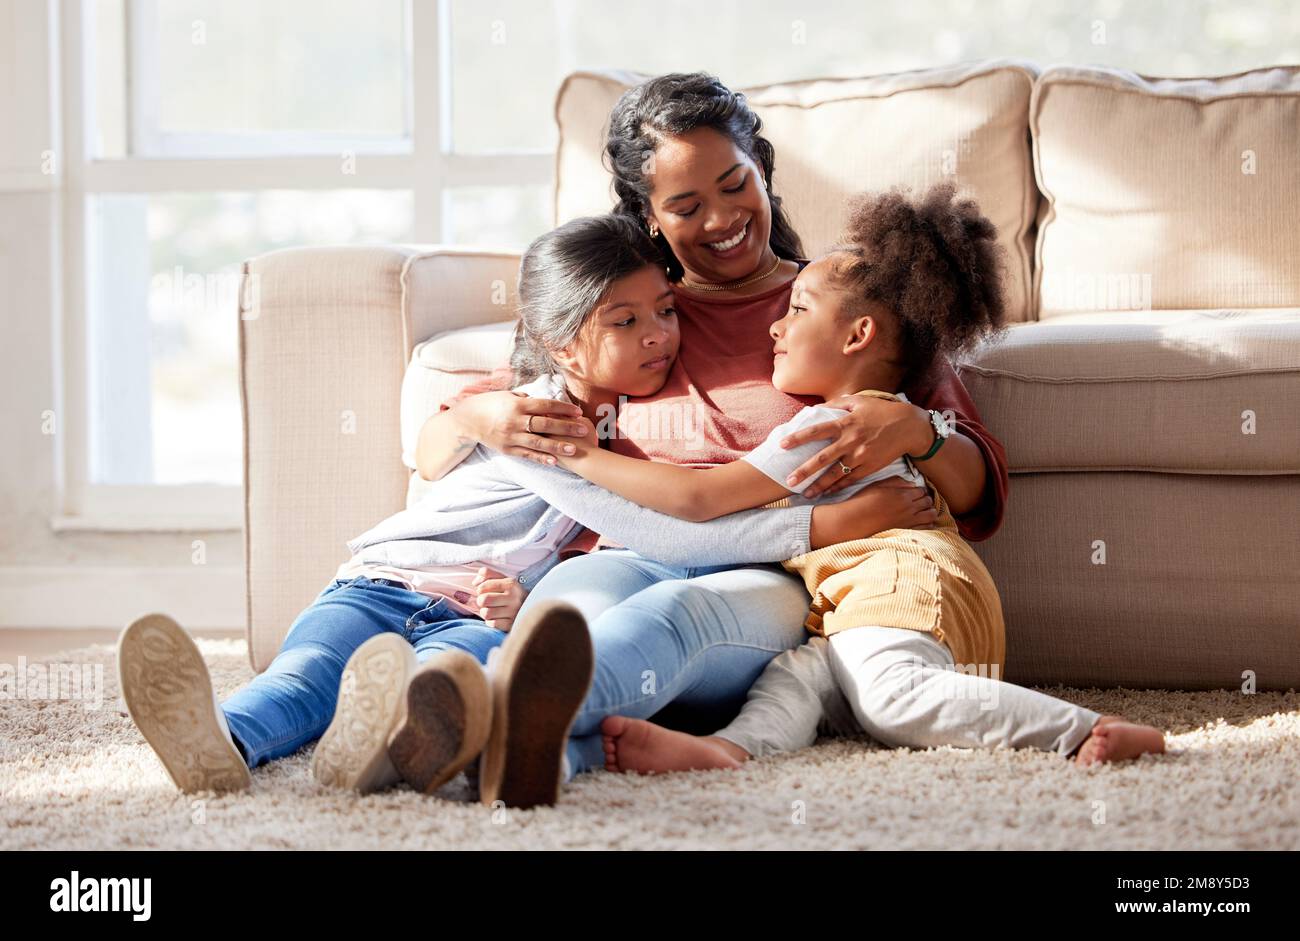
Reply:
x=293, y=701
x=698, y=637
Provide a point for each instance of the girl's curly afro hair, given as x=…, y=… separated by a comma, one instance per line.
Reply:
x=933, y=262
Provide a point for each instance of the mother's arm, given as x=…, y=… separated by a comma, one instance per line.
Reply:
x=980, y=518
x=970, y=470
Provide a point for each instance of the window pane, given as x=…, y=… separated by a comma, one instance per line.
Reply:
x=529, y=47
x=163, y=296
x=497, y=216
x=329, y=67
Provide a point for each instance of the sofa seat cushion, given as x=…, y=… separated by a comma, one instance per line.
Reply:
x=1190, y=391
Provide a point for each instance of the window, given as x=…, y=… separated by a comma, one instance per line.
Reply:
x=206, y=132
x=200, y=133
x=530, y=46
x=164, y=394
x=247, y=78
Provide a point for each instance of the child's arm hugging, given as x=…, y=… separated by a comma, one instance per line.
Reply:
x=697, y=494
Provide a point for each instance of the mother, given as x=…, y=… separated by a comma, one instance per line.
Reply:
x=690, y=165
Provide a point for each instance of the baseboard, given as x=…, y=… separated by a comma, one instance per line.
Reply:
x=72, y=596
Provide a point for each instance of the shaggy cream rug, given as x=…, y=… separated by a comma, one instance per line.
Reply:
x=78, y=778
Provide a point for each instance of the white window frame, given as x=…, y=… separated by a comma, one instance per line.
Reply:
x=425, y=164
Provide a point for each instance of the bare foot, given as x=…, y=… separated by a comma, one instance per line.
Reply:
x=641, y=746
x=1113, y=739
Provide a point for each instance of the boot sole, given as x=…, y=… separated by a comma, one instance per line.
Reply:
x=168, y=693
x=544, y=675
x=353, y=752
x=447, y=721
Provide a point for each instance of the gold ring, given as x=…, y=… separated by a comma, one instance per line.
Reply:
x=845, y=469
x=528, y=425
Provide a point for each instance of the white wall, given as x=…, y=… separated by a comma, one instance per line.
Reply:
x=67, y=578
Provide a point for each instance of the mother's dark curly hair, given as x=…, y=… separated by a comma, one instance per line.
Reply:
x=933, y=262
x=672, y=105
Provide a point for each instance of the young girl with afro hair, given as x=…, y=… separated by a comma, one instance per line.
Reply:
x=908, y=637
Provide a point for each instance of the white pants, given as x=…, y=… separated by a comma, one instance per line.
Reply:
x=902, y=688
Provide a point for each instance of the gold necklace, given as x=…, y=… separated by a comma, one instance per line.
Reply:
x=731, y=285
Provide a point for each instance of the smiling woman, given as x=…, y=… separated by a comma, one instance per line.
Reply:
x=691, y=166
x=692, y=170
x=729, y=234
x=698, y=147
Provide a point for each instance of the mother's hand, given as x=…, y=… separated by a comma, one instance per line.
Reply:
x=875, y=433
x=517, y=424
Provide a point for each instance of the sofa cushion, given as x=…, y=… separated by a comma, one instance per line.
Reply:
x=443, y=365
x=452, y=287
x=1166, y=193
x=1190, y=391
x=836, y=137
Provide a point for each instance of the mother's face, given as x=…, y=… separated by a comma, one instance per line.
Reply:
x=705, y=193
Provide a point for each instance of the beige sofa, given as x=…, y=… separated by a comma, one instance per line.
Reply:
x=1148, y=396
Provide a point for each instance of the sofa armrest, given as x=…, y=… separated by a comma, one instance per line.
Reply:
x=324, y=338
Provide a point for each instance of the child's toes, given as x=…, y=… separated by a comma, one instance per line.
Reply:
x=613, y=726
x=1087, y=753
